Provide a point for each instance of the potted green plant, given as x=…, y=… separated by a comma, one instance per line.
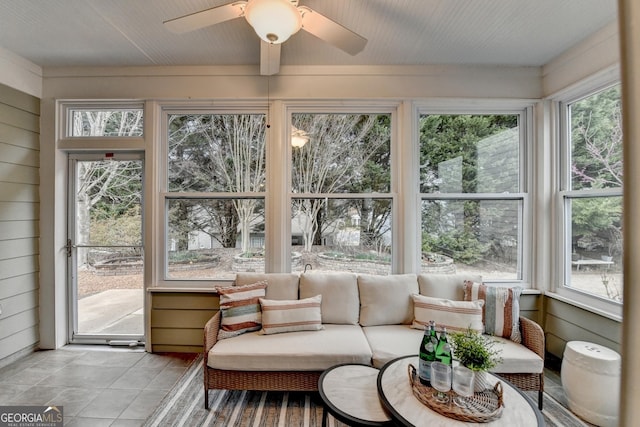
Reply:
x=477, y=352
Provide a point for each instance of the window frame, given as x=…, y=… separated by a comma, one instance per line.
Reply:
x=347, y=107
x=526, y=122
x=96, y=143
x=564, y=195
x=164, y=196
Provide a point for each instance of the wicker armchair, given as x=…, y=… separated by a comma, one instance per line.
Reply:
x=533, y=339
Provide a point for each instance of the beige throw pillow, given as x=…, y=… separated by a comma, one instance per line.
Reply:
x=291, y=315
x=454, y=315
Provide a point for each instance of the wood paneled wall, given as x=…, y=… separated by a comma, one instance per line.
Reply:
x=178, y=318
x=19, y=221
x=565, y=322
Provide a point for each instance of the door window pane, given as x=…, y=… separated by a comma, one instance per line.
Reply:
x=108, y=248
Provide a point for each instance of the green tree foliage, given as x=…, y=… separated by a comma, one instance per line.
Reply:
x=120, y=230
x=454, y=228
x=596, y=163
x=596, y=141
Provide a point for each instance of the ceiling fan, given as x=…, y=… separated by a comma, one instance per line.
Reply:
x=274, y=21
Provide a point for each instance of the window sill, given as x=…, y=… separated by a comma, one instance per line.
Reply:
x=178, y=289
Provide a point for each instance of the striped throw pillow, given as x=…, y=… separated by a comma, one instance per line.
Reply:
x=291, y=315
x=240, y=309
x=453, y=315
x=501, y=312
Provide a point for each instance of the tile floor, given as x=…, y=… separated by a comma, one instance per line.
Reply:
x=103, y=386
x=96, y=385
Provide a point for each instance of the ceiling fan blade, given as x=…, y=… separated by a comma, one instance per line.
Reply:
x=205, y=18
x=331, y=32
x=269, y=58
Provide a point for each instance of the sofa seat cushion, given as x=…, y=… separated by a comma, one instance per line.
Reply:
x=292, y=351
x=516, y=358
x=390, y=341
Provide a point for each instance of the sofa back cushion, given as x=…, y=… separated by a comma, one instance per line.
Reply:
x=447, y=286
x=340, y=301
x=280, y=286
x=386, y=300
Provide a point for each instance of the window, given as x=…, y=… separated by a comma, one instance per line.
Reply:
x=105, y=122
x=473, y=194
x=341, y=206
x=214, y=199
x=591, y=194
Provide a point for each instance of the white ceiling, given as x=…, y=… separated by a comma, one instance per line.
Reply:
x=56, y=33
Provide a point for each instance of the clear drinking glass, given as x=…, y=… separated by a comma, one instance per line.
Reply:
x=441, y=380
x=462, y=384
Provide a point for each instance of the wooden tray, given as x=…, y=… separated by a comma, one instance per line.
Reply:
x=482, y=407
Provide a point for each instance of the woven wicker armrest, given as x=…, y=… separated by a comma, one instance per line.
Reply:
x=211, y=332
x=532, y=336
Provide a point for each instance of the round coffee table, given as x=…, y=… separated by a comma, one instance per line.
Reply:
x=397, y=397
x=349, y=393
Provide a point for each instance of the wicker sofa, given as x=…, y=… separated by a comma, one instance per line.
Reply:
x=365, y=318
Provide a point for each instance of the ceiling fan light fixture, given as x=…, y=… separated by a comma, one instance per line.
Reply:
x=299, y=137
x=274, y=21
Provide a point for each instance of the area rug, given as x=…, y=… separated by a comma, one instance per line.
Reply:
x=184, y=406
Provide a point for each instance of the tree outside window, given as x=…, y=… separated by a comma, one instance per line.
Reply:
x=593, y=195
x=470, y=184
x=340, y=181
x=215, y=200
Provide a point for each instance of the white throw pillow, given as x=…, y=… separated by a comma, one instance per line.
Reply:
x=291, y=315
x=454, y=315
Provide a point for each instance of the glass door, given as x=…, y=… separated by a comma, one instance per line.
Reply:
x=105, y=249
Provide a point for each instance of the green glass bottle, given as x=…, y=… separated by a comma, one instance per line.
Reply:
x=427, y=354
x=443, y=349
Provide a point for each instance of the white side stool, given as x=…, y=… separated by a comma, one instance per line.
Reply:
x=591, y=380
